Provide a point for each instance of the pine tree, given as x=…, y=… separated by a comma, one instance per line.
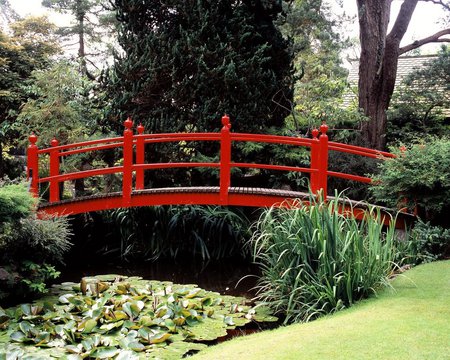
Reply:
x=186, y=63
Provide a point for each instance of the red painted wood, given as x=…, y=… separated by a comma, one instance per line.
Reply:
x=225, y=159
x=318, y=170
x=54, y=171
x=33, y=165
x=315, y=149
x=140, y=158
x=323, y=161
x=127, y=177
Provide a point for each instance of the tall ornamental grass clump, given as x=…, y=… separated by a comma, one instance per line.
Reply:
x=315, y=260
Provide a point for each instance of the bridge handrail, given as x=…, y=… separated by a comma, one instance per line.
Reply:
x=133, y=146
x=359, y=150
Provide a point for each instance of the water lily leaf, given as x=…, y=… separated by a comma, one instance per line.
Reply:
x=110, y=326
x=88, y=325
x=127, y=355
x=64, y=299
x=192, y=321
x=228, y=320
x=180, y=320
x=42, y=339
x=170, y=324
x=104, y=352
x=25, y=327
x=74, y=349
x=208, y=329
x=136, y=346
x=74, y=357
x=159, y=338
x=146, y=321
x=206, y=301
x=18, y=336
x=193, y=293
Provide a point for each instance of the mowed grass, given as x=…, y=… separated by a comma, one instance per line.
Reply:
x=411, y=321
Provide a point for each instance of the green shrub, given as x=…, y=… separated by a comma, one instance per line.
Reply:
x=426, y=243
x=15, y=203
x=315, y=260
x=29, y=246
x=417, y=177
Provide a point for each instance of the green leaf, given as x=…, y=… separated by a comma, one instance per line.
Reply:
x=104, y=352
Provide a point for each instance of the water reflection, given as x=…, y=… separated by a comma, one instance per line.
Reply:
x=225, y=277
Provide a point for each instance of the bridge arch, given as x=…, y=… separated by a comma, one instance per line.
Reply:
x=133, y=167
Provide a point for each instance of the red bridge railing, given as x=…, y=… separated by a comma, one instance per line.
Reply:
x=133, y=146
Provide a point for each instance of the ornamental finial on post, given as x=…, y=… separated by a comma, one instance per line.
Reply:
x=128, y=123
x=140, y=129
x=315, y=133
x=323, y=129
x=32, y=139
x=226, y=121
x=54, y=142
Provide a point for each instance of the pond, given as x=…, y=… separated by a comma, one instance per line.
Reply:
x=228, y=277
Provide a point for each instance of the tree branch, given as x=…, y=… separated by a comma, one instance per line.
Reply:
x=435, y=38
x=444, y=4
x=403, y=19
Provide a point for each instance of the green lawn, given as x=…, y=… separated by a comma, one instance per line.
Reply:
x=410, y=322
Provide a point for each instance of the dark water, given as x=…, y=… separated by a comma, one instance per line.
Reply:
x=226, y=277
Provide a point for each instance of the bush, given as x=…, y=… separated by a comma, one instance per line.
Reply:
x=15, y=203
x=418, y=177
x=426, y=243
x=29, y=247
x=315, y=260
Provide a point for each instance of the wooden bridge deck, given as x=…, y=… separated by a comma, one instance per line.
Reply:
x=206, y=195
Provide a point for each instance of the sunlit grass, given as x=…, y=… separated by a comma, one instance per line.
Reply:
x=410, y=321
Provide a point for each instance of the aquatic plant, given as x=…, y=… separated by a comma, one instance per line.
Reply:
x=120, y=317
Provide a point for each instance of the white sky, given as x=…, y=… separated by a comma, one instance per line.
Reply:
x=425, y=20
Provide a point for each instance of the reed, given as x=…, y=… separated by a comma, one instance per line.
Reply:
x=316, y=260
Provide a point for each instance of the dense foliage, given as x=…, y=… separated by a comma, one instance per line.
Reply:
x=316, y=260
x=28, y=48
x=420, y=104
x=29, y=246
x=418, y=178
x=184, y=64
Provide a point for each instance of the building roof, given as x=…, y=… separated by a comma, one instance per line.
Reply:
x=406, y=65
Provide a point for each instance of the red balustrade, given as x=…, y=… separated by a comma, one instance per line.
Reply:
x=134, y=159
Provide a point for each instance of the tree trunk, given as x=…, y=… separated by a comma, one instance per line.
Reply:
x=378, y=64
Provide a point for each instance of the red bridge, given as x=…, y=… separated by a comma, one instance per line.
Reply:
x=134, y=165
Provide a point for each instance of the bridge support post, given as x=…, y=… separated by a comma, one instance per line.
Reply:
x=54, y=171
x=314, y=177
x=323, y=160
x=140, y=158
x=33, y=165
x=225, y=159
x=127, y=176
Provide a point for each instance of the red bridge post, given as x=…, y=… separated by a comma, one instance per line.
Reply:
x=323, y=160
x=54, y=171
x=314, y=177
x=140, y=158
x=33, y=165
x=225, y=159
x=127, y=176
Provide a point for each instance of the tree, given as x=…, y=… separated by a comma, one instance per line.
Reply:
x=186, y=63
x=378, y=60
x=420, y=104
x=28, y=48
x=92, y=26
x=320, y=76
